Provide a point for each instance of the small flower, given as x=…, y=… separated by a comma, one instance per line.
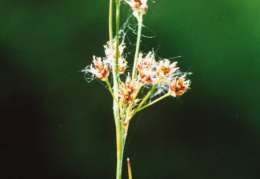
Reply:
x=146, y=76
x=146, y=67
x=165, y=69
x=111, y=51
x=111, y=56
x=146, y=63
x=179, y=86
x=127, y=91
x=100, y=69
x=122, y=63
x=138, y=6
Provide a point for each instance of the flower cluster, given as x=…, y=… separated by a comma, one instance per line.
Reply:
x=150, y=82
x=100, y=69
x=179, y=86
x=162, y=74
x=127, y=91
x=157, y=76
x=138, y=6
x=110, y=52
x=146, y=68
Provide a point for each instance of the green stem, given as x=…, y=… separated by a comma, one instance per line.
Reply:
x=111, y=91
x=115, y=81
x=111, y=22
x=117, y=34
x=119, y=129
x=120, y=150
x=144, y=100
x=139, y=34
x=155, y=101
x=137, y=92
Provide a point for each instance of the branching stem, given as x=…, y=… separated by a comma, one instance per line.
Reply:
x=137, y=92
x=144, y=100
x=111, y=91
x=118, y=124
x=155, y=101
x=138, y=41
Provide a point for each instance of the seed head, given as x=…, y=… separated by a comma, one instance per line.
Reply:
x=111, y=51
x=146, y=76
x=127, y=91
x=111, y=56
x=165, y=69
x=145, y=67
x=179, y=86
x=122, y=64
x=146, y=63
x=138, y=6
x=100, y=69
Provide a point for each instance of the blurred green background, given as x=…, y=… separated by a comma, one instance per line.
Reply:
x=56, y=125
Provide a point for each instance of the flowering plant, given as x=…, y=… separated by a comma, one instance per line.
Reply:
x=157, y=76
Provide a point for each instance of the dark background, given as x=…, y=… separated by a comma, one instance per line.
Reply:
x=56, y=125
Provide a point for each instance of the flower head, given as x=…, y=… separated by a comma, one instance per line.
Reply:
x=100, y=69
x=179, y=86
x=165, y=69
x=138, y=6
x=146, y=63
x=111, y=51
x=127, y=91
x=146, y=67
x=111, y=56
x=146, y=76
x=122, y=63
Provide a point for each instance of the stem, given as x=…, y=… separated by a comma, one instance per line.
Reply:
x=155, y=101
x=111, y=91
x=115, y=81
x=129, y=169
x=117, y=34
x=111, y=22
x=116, y=112
x=120, y=150
x=144, y=100
x=137, y=92
x=119, y=130
x=139, y=34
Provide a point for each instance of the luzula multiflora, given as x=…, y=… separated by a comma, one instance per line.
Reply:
x=162, y=78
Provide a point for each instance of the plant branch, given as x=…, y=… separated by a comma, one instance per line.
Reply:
x=137, y=92
x=144, y=100
x=110, y=20
x=119, y=130
x=139, y=34
x=155, y=101
x=111, y=91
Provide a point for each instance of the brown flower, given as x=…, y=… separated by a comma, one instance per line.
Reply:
x=100, y=69
x=146, y=76
x=122, y=64
x=165, y=69
x=111, y=51
x=127, y=91
x=138, y=6
x=179, y=86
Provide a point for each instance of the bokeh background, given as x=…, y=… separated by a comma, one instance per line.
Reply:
x=54, y=124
